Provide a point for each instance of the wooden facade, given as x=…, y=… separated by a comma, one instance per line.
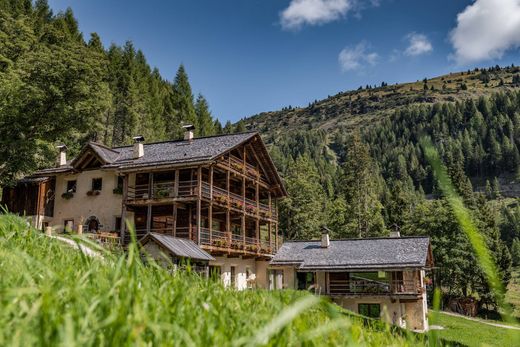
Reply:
x=228, y=207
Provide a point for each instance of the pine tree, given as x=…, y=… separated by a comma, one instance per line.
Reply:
x=303, y=210
x=205, y=123
x=360, y=191
x=182, y=103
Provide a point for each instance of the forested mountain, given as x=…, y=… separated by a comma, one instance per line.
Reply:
x=354, y=162
x=56, y=86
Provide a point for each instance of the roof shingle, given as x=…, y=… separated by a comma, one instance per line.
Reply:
x=373, y=253
x=183, y=248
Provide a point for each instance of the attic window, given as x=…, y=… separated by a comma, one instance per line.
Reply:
x=97, y=183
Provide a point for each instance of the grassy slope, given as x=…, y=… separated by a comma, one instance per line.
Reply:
x=473, y=333
x=513, y=292
x=52, y=295
x=359, y=108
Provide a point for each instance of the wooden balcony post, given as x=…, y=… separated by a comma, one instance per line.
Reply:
x=190, y=224
x=174, y=219
x=228, y=217
x=150, y=185
x=176, y=184
x=123, y=208
x=276, y=236
x=199, y=201
x=149, y=218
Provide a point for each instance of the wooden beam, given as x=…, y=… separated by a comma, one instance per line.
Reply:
x=199, y=201
x=210, y=209
x=123, y=208
x=176, y=184
x=174, y=219
x=228, y=217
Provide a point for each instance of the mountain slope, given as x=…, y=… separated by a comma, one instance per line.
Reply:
x=364, y=106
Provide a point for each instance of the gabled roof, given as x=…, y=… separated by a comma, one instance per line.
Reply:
x=357, y=254
x=201, y=150
x=182, y=248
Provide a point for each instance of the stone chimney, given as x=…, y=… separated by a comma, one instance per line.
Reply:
x=188, y=132
x=395, y=232
x=325, y=240
x=138, y=147
x=62, y=155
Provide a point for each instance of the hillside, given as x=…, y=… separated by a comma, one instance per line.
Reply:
x=352, y=109
x=51, y=294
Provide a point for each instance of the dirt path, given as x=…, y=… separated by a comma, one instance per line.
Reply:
x=480, y=320
x=86, y=250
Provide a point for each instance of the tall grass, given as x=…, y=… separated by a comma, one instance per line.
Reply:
x=475, y=237
x=53, y=295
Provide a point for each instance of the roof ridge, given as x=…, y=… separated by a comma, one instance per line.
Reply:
x=195, y=138
x=368, y=238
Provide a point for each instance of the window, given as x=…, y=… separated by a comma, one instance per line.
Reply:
x=305, y=280
x=233, y=275
x=370, y=310
x=120, y=180
x=275, y=279
x=68, y=225
x=117, y=226
x=97, y=183
x=71, y=186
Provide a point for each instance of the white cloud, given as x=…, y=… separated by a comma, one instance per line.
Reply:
x=313, y=12
x=485, y=30
x=353, y=58
x=418, y=44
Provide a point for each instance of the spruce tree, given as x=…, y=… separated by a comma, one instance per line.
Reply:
x=205, y=123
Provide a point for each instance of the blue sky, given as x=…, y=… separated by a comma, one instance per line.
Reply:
x=249, y=56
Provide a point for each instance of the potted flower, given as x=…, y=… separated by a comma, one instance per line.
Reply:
x=67, y=195
x=118, y=190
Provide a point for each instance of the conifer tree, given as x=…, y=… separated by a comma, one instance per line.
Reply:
x=205, y=123
x=358, y=186
x=182, y=103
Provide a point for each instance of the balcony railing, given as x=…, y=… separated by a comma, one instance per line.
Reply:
x=223, y=197
x=165, y=190
x=370, y=287
x=237, y=164
x=162, y=190
x=228, y=240
x=218, y=239
x=107, y=239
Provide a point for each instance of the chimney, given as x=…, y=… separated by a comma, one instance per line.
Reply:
x=188, y=132
x=138, y=146
x=62, y=155
x=325, y=240
x=396, y=232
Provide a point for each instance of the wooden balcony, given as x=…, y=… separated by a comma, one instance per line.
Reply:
x=162, y=191
x=106, y=239
x=223, y=241
x=237, y=165
x=371, y=288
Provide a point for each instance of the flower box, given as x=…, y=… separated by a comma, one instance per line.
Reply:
x=93, y=192
x=67, y=195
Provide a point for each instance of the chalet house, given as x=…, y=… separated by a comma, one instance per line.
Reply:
x=376, y=277
x=217, y=194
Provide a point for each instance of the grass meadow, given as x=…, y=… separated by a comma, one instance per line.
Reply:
x=53, y=295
